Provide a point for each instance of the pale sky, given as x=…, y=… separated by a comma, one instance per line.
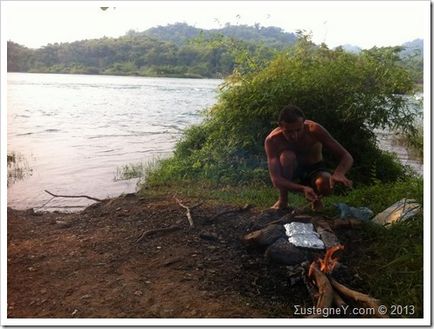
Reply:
x=362, y=23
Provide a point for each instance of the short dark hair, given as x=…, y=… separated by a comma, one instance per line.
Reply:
x=290, y=113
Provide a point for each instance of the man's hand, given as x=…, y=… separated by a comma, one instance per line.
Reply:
x=310, y=194
x=340, y=178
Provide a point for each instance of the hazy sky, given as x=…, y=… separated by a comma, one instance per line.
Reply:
x=362, y=23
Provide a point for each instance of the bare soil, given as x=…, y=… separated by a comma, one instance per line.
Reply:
x=90, y=265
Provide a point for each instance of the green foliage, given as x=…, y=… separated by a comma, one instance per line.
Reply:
x=389, y=260
x=379, y=196
x=350, y=95
x=180, y=33
x=413, y=141
x=175, y=47
x=175, y=51
x=19, y=57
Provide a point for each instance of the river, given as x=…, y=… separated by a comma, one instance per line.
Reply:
x=70, y=134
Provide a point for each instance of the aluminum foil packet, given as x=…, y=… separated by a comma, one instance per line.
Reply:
x=303, y=235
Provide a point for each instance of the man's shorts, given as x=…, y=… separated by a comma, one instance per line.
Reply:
x=306, y=174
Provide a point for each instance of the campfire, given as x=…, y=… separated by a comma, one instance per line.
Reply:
x=328, y=263
x=321, y=271
x=328, y=292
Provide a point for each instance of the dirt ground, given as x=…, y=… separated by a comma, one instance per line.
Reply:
x=90, y=265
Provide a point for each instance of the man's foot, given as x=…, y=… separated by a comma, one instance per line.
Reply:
x=280, y=205
x=317, y=205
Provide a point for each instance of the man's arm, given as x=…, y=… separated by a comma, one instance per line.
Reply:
x=277, y=177
x=345, y=158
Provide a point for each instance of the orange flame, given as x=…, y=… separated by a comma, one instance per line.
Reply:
x=328, y=263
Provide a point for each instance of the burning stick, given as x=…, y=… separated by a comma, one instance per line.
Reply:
x=328, y=263
x=325, y=290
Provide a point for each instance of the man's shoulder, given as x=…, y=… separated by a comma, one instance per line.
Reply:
x=274, y=134
x=313, y=127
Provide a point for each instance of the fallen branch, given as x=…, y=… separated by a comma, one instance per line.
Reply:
x=72, y=196
x=225, y=212
x=190, y=219
x=158, y=230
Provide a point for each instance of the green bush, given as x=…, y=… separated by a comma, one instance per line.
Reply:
x=350, y=95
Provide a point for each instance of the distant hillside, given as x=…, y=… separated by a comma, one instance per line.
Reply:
x=412, y=48
x=177, y=50
x=412, y=58
x=179, y=33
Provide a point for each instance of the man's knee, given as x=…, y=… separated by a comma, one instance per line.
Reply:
x=322, y=183
x=288, y=159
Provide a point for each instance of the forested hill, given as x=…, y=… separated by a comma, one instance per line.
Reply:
x=176, y=50
x=179, y=33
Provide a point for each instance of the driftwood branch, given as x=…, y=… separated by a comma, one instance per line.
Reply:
x=72, y=196
x=189, y=209
x=225, y=212
x=158, y=230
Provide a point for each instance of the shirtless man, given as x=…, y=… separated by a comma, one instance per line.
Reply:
x=294, y=153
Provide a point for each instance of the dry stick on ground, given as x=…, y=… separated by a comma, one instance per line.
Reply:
x=246, y=207
x=158, y=230
x=190, y=219
x=72, y=196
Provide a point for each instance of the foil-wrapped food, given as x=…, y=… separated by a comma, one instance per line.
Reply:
x=303, y=235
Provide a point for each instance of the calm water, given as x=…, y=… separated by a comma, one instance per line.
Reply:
x=72, y=132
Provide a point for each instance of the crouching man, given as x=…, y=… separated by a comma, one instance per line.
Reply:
x=295, y=160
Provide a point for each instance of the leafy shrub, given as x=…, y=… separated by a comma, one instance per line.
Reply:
x=350, y=95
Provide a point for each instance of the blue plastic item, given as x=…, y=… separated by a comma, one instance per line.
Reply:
x=346, y=211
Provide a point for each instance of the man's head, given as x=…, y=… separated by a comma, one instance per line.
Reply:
x=291, y=121
x=290, y=114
